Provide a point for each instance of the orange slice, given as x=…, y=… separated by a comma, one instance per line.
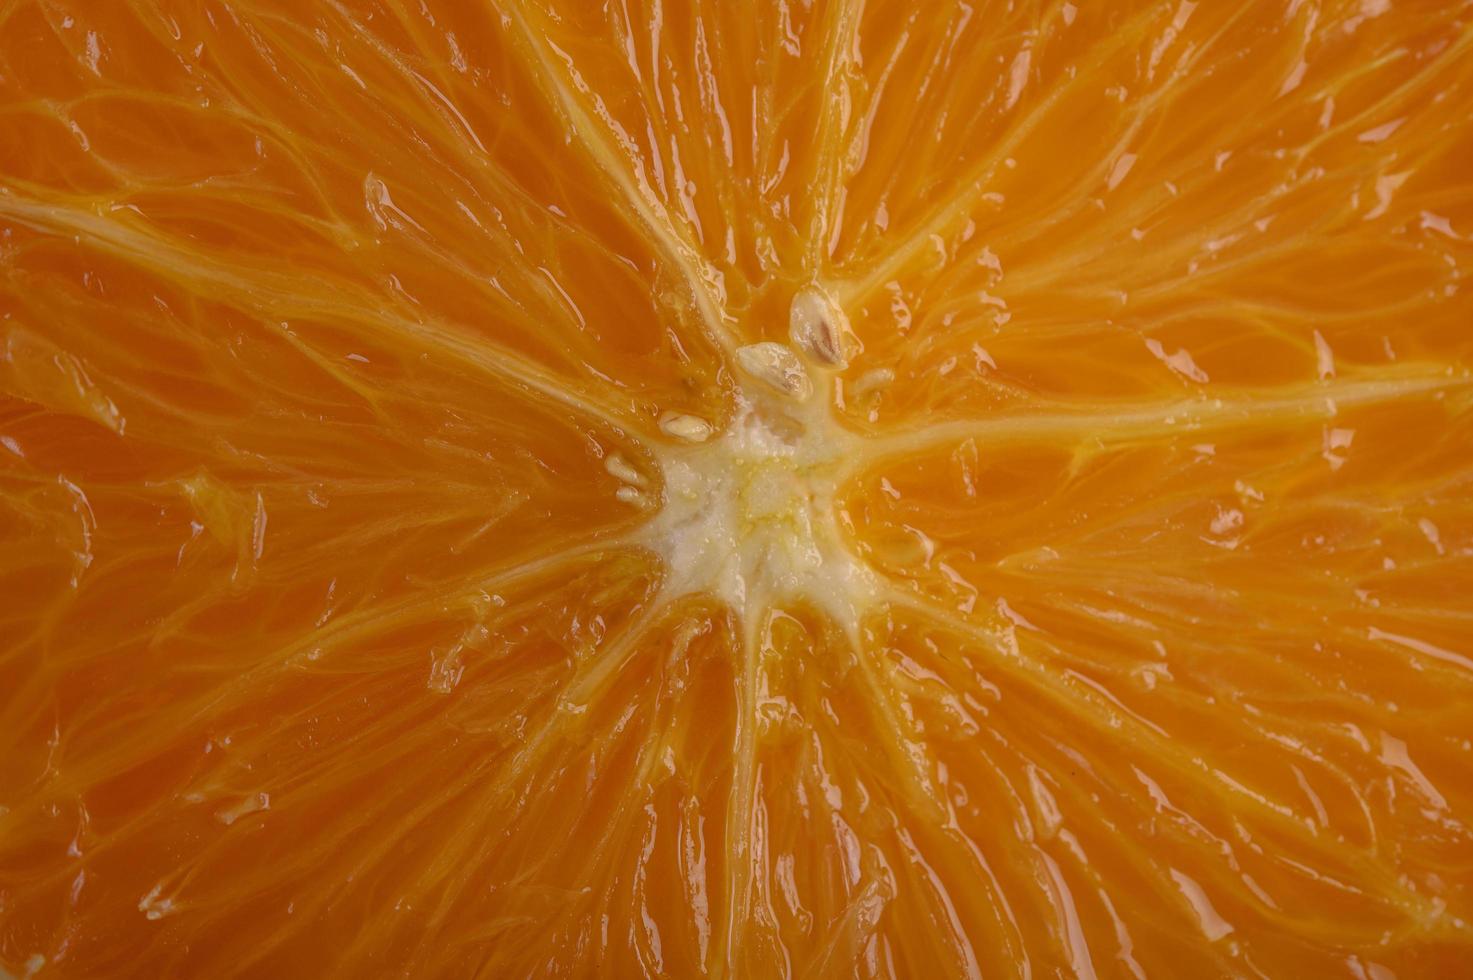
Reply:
x=850, y=488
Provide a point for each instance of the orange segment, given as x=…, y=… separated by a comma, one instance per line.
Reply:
x=822, y=490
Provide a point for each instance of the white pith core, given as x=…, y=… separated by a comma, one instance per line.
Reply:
x=751, y=516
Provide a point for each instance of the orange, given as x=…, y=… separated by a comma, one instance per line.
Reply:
x=826, y=489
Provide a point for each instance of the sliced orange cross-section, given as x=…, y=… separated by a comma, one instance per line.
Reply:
x=850, y=488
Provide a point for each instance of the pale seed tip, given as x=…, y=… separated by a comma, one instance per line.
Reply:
x=686, y=427
x=631, y=495
x=820, y=329
x=620, y=469
x=777, y=366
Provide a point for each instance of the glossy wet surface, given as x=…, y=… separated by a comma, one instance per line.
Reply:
x=849, y=489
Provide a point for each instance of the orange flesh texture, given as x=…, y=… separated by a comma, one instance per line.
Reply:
x=328, y=649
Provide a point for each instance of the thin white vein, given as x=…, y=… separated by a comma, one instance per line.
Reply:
x=741, y=855
x=1094, y=709
x=1132, y=422
x=839, y=42
x=507, y=787
x=627, y=178
x=970, y=188
x=157, y=252
x=365, y=622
